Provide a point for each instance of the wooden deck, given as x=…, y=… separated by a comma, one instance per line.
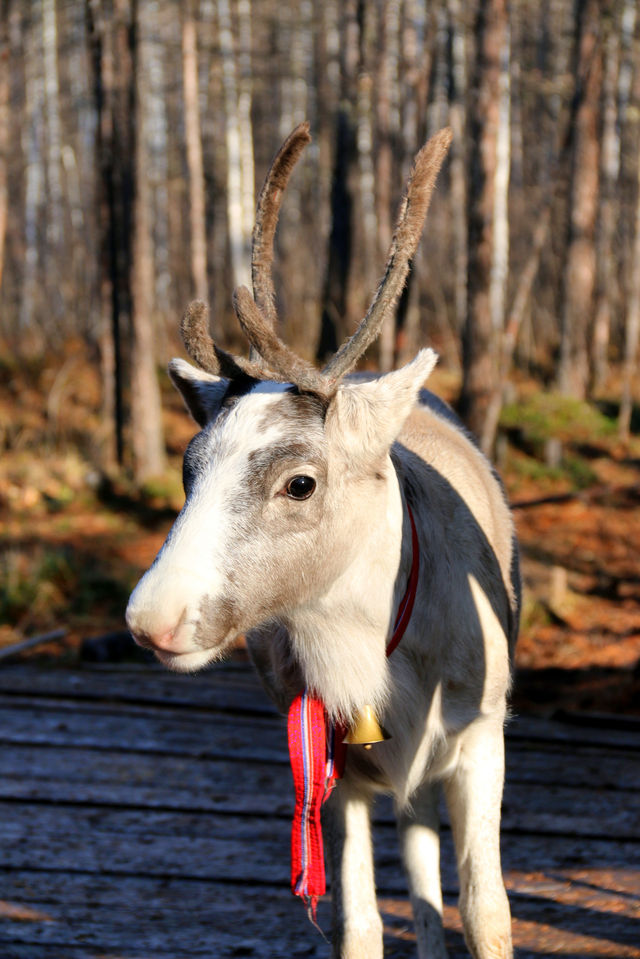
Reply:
x=147, y=815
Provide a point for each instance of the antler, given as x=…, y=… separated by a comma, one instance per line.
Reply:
x=411, y=217
x=257, y=316
x=267, y=219
x=194, y=329
x=289, y=367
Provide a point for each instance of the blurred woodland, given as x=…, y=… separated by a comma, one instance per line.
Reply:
x=135, y=134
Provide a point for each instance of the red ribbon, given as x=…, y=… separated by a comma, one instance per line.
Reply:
x=317, y=754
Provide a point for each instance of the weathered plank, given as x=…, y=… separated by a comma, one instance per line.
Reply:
x=237, y=848
x=95, y=726
x=199, y=784
x=235, y=688
x=188, y=918
x=195, y=732
x=138, y=821
x=222, y=688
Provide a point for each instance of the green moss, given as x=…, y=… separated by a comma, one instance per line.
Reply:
x=545, y=415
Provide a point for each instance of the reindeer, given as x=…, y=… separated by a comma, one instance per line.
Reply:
x=301, y=489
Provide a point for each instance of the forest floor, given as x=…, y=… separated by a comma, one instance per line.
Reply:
x=74, y=539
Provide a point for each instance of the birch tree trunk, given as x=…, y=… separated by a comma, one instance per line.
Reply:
x=54, y=137
x=388, y=132
x=411, y=65
x=366, y=261
x=480, y=342
x=197, y=221
x=609, y=172
x=4, y=126
x=458, y=121
x=33, y=135
x=629, y=96
x=580, y=262
x=500, y=252
x=146, y=413
x=632, y=330
x=239, y=140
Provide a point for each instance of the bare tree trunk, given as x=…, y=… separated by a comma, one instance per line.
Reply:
x=632, y=330
x=610, y=168
x=367, y=221
x=411, y=66
x=458, y=121
x=500, y=252
x=238, y=138
x=579, y=270
x=480, y=342
x=297, y=260
x=438, y=106
x=629, y=96
x=146, y=412
x=4, y=126
x=245, y=83
x=33, y=125
x=336, y=320
x=109, y=34
x=388, y=131
x=197, y=219
x=54, y=136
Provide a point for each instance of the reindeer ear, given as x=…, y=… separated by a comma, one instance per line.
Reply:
x=202, y=392
x=367, y=417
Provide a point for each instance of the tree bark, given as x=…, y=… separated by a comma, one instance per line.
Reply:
x=630, y=95
x=238, y=137
x=110, y=42
x=580, y=262
x=388, y=133
x=54, y=136
x=146, y=411
x=4, y=126
x=197, y=220
x=458, y=121
x=480, y=338
x=610, y=168
x=336, y=320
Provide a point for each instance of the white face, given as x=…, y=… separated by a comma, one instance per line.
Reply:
x=249, y=543
x=281, y=493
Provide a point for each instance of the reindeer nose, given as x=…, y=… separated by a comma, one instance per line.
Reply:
x=153, y=635
x=152, y=641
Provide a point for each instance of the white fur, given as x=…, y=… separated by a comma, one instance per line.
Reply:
x=316, y=585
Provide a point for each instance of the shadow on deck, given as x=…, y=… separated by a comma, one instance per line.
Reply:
x=147, y=816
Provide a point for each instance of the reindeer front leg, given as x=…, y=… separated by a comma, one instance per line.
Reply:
x=357, y=926
x=418, y=828
x=474, y=795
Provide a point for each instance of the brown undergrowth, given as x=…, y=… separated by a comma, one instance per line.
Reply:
x=75, y=536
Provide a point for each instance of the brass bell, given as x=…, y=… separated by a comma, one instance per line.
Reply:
x=365, y=729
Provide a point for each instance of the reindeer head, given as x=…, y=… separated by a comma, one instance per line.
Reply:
x=291, y=467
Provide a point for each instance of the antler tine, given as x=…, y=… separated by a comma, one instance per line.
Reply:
x=413, y=211
x=198, y=343
x=284, y=363
x=267, y=213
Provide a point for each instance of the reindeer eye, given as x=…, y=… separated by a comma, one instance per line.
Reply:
x=300, y=487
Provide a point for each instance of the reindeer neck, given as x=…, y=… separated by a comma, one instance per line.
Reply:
x=340, y=639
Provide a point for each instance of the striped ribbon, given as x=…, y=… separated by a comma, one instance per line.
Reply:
x=317, y=754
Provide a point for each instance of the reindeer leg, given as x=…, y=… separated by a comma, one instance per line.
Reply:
x=418, y=828
x=357, y=926
x=474, y=795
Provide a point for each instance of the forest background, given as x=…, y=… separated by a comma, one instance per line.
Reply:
x=134, y=135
